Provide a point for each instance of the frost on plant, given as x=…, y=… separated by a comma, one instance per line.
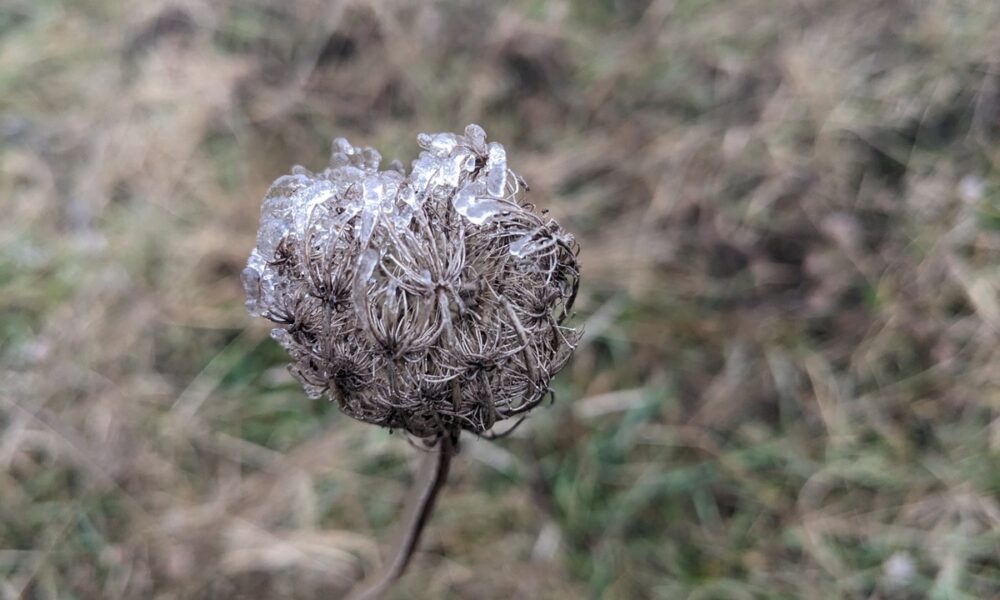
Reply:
x=431, y=301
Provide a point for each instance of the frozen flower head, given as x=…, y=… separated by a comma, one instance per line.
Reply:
x=431, y=301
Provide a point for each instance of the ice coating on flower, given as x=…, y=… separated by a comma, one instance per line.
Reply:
x=366, y=265
x=476, y=137
x=473, y=203
x=439, y=144
x=429, y=301
x=496, y=170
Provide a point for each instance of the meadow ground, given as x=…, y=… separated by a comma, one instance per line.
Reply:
x=789, y=385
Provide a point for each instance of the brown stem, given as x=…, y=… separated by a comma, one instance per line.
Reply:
x=419, y=509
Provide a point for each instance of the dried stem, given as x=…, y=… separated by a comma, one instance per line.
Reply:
x=420, y=505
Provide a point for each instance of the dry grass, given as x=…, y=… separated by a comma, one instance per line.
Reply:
x=790, y=214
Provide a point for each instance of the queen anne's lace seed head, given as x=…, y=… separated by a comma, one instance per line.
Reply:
x=430, y=302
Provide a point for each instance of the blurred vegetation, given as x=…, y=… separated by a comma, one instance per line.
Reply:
x=790, y=220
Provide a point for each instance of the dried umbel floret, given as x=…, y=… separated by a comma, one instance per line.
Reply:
x=432, y=301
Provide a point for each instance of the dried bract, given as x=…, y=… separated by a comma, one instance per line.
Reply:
x=431, y=302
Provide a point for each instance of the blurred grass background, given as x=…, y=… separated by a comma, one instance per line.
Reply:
x=790, y=219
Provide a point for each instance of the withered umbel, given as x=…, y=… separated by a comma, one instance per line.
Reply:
x=431, y=301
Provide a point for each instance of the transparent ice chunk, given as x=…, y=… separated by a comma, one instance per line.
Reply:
x=391, y=300
x=256, y=261
x=476, y=137
x=519, y=247
x=277, y=211
x=467, y=196
x=268, y=284
x=407, y=195
x=438, y=144
x=368, y=219
x=338, y=160
x=527, y=244
x=351, y=198
x=388, y=200
x=372, y=189
x=250, y=278
x=343, y=146
x=345, y=175
x=307, y=202
x=442, y=144
x=483, y=210
x=279, y=195
x=402, y=217
x=451, y=171
x=496, y=170
x=371, y=159
x=392, y=178
x=423, y=170
x=473, y=203
x=366, y=265
x=272, y=230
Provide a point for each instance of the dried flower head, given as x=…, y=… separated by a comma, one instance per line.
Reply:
x=431, y=302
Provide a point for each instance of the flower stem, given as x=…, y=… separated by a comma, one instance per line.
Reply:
x=420, y=505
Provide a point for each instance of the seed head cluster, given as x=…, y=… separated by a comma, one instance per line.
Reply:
x=432, y=301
